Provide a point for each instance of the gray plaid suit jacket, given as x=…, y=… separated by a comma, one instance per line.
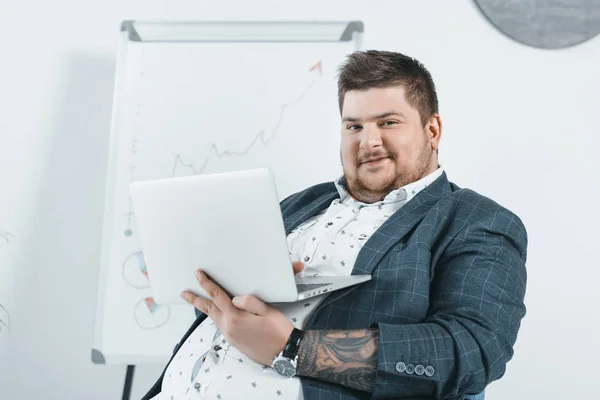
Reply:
x=446, y=295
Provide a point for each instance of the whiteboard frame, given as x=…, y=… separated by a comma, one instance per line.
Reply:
x=198, y=32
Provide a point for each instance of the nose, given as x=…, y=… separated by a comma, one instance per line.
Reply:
x=371, y=137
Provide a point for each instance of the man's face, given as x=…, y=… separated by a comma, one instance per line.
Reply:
x=384, y=144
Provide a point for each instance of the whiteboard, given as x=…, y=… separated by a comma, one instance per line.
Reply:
x=207, y=97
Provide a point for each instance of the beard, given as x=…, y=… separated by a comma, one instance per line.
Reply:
x=370, y=189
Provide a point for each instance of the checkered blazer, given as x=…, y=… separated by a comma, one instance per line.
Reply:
x=447, y=293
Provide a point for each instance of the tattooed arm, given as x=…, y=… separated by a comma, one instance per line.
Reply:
x=348, y=358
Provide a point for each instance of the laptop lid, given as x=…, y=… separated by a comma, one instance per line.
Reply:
x=227, y=224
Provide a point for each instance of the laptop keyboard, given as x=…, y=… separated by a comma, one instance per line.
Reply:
x=305, y=287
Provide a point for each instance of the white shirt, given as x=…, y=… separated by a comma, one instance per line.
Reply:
x=207, y=367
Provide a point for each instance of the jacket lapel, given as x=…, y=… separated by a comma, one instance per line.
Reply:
x=398, y=225
x=392, y=231
x=309, y=210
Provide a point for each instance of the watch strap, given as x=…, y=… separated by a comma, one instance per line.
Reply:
x=293, y=344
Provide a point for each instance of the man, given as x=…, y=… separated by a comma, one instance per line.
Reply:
x=441, y=314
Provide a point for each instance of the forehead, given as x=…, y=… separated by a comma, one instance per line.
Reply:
x=361, y=104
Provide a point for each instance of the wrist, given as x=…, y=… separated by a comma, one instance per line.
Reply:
x=284, y=340
x=307, y=352
x=285, y=363
x=293, y=344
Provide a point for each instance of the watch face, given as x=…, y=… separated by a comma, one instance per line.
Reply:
x=284, y=366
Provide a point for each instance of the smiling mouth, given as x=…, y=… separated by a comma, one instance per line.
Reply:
x=375, y=161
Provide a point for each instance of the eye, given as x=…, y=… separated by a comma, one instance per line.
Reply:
x=388, y=123
x=353, y=127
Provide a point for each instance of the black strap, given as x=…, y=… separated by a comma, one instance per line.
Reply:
x=293, y=344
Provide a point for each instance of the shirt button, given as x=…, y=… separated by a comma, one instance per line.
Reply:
x=410, y=369
x=400, y=367
x=429, y=371
x=306, y=258
x=419, y=370
x=197, y=386
x=330, y=223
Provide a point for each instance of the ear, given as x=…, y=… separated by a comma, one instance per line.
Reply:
x=434, y=131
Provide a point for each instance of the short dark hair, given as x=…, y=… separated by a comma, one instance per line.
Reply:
x=377, y=69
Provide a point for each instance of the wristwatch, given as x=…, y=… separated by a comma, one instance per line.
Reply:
x=286, y=362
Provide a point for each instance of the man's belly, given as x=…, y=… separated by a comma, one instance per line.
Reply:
x=206, y=366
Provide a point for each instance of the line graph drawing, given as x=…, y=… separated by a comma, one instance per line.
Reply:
x=262, y=137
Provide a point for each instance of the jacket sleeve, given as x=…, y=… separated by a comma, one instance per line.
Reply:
x=476, y=306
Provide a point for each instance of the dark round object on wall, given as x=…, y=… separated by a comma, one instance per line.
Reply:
x=547, y=24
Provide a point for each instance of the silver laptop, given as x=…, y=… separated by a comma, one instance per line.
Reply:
x=230, y=226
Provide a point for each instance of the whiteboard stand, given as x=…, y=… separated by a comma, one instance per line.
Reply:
x=128, y=382
x=195, y=31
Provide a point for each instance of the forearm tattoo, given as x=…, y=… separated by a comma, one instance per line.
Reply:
x=348, y=358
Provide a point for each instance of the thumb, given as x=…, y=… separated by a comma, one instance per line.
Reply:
x=250, y=304
x=298, y=267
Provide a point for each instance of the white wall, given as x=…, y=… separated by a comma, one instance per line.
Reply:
x=519, y=126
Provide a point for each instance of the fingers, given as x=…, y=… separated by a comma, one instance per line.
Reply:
x=204, y=305
x=297, y=266
x=250, y=304
x=218, y=295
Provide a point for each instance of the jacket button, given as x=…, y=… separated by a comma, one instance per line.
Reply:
x=429, y=371
x=419, y=370
x=410, y=369
x=400, y=367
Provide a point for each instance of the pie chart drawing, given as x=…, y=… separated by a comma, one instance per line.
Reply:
x=149, y=315
x=135, y=272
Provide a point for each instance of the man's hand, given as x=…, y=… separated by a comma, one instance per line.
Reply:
x=256, y=329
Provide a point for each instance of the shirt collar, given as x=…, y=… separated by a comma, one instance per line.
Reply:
x=411, y=189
